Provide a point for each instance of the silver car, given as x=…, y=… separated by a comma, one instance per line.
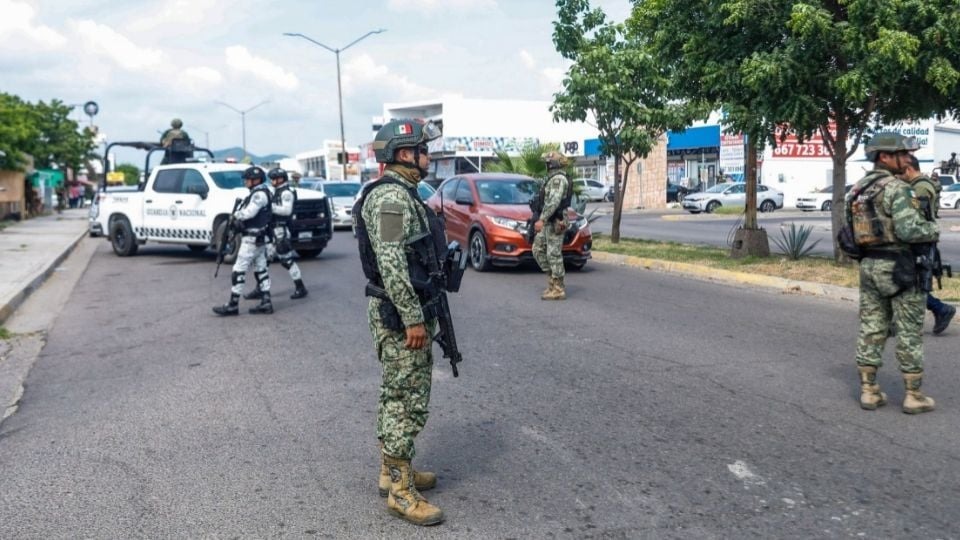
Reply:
x=341, y=195
x=735, y=194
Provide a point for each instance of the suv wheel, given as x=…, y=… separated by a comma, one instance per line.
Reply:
x=478, y=252
x=826, y=206
x=711, y=206
x=228, y=258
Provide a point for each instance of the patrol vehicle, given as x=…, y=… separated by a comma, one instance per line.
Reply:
x=188, y=201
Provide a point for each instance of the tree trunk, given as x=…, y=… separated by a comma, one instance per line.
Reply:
x=750, y=240
x=617, y=199
x=839, y=183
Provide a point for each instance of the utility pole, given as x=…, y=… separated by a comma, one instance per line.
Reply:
x=243, y=120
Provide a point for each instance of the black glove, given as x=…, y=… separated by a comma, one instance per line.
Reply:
x=236, y=226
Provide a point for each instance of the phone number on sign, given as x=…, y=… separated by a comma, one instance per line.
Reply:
x=800, y=150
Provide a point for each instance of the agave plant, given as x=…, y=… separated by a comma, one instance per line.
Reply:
x=794, y=243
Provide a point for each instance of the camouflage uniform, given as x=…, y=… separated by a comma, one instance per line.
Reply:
x=548, y=244
x=928, y=189
x=880, y=297
x=393, y=219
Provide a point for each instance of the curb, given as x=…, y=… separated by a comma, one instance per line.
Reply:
x=7, y=309
x=703, y=273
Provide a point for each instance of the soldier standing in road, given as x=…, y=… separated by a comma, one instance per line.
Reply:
x=253, y=222
x=556, y=193
x=885, y=217
x=928, y=194
x=284, y=198
x=391, y=220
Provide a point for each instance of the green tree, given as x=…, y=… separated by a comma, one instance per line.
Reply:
x=618, y=87
x=17, y=130
x=131, y=173
x=530, y=162
x=833, y=67
x=44, y=131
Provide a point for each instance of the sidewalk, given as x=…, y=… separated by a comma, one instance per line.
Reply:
x=31, y=250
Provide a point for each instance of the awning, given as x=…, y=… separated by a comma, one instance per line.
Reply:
x=694, y=138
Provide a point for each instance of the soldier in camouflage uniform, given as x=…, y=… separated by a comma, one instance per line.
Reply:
x=928, y=193
x=393, y=217
x=555, y=195
x=175, y=132
x=885, y=216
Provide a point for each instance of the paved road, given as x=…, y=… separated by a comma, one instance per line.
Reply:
x=714, y=230
x=645, y=406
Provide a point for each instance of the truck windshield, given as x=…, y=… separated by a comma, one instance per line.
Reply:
x=227, y=179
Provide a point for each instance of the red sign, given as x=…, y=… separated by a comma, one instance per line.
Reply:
x=789, y=147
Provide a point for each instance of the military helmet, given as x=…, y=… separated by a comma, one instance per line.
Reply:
x=254, y=173
x=889, y=141
x=555, y=160
x=176, y=123
x=402, y=133
x=277, y=172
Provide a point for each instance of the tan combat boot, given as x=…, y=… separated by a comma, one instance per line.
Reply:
x=556, y=290
x=915, y=402
x=870, y=395
x=546, y=292
x=404, y=501
x=422, y=480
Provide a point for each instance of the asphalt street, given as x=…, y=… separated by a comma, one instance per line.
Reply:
x=717, y=230
x=644, y=406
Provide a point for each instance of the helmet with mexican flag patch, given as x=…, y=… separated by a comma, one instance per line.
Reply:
x=402, y=133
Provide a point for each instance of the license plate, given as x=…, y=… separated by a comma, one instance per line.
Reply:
x=305, y=235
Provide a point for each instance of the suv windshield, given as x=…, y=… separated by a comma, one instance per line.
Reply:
x=227, y=179
x=341, y=190
x=518, y=191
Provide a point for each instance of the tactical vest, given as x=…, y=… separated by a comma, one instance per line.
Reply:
x=564, y=202
x=432, y=230
x=872, y=227
x=278, y=200
x=262, y=219
x=932, y=205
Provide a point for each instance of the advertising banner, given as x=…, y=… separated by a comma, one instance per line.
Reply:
x=732, y=155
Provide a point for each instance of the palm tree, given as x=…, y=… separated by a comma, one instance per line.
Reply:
x=530, y=163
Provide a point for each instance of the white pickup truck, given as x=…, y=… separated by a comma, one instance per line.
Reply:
x=190, y=203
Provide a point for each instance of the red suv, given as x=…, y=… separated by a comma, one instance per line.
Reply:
x=488, y=212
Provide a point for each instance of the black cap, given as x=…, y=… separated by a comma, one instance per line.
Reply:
x=254, y=173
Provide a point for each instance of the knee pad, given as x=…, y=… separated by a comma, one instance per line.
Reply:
x=261, y=277
x=286, y=263
x=237, y=278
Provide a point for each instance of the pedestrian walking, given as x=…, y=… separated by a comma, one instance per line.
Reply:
x=393, y=227
x=282, y=202
x=253, y=222
x=885, y=216
x=556, y=193
x=928, y=194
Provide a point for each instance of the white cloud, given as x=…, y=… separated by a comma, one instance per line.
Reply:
x=438, y=5
x=116, y=46
x=527, y=59
x=240, y=59
x=202, y=74
x=17, y=23
x=364, y=72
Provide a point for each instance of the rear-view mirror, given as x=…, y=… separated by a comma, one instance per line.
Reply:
x=466, y=201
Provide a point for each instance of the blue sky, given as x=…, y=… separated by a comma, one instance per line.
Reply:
x=147, y=62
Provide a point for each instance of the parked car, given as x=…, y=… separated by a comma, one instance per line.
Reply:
x=732, y=194
x=676, y=192
x=424, y=189
x=821, y=199
x=314, y=183
x=487, y=212
x=588, y=189
x=947, y=179
x=950, y=197
x=341, y=196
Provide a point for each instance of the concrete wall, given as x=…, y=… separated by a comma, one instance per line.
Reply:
x=647, y=180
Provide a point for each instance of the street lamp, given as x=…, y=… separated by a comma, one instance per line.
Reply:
x=243, y=119
x=343, y=142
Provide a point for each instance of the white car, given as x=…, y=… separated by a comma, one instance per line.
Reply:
x=821, y=199
x=341, y=195
x=590, y=190
x=731, y=194
x=950, y=197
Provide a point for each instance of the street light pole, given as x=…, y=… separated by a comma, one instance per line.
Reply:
x=336, y=52
x=243, y=120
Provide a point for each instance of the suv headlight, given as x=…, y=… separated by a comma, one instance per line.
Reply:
x=507, y=223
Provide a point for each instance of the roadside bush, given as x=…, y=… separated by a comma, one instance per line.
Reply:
x=793, y=244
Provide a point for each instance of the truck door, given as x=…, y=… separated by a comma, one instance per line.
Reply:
x=160, y=203
x=192, y=222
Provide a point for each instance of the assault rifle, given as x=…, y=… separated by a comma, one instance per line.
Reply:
x=536, y=205
x=930, y=266
x=444, y=277
x=223, y=243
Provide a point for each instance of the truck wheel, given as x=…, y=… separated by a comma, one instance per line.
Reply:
x=122, y=240
x=228, y=258
x=308, y=253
